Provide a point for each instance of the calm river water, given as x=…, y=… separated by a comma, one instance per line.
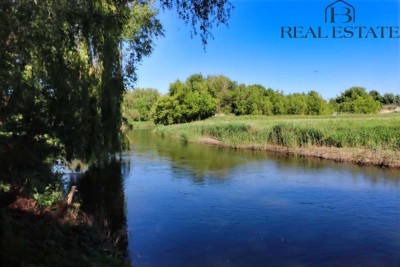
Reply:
x=196, y=205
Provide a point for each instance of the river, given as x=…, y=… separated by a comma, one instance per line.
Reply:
x=197, y=205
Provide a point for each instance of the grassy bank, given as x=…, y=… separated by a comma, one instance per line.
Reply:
x=363, y=139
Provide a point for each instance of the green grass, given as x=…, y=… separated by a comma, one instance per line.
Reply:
x=380, y=131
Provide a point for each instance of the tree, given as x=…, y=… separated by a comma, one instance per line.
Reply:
x=366, y=105
x=397, y=99
x=255, y=99
x=357, y=100
x=296, y=104
x=316, y=105
x=239, y=105
x=388, y=98
x=221, y=88
x=186, y=102
x=65, y=65
x=138, y=103
x=278, y=101
x=376, y=95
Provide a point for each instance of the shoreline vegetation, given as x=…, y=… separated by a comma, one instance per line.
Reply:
x=356, y=126
x=57, y=228
x=58, y=235
x=360, y=139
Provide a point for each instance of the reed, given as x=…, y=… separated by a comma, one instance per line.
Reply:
x=379, y=132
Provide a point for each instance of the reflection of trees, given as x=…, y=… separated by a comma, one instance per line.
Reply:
x=198, y=160
x=202, y=161
x=102, y=192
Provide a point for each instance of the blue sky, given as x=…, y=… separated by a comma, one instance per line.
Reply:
x=250, y=50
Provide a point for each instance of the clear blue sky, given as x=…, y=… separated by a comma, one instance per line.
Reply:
x=250, y=50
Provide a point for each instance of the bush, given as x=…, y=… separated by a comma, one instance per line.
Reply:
x=51, y=195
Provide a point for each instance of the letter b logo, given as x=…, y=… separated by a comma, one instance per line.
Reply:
x=340, y=12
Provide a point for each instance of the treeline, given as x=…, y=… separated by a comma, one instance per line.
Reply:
x=137, y=105
x=201, y=97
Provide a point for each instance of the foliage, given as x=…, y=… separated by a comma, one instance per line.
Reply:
x=296, y=104
x=397, y=99
x=202, y=15
x=185, y=102
x=64, y=69
x=357, y=100
x=256, y=100
x=65, y=65
x=51, y=195
x=137, y=104
x=221, y=88
x=4, y=187
x=388, y=98
x=316, y=105
x=376, y=95
x=62, y=74
x=240, y=99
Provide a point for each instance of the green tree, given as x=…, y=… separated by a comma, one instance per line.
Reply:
x=255, y=99
x=221, y=88
x=267, y=106
x=65, y=64
x=239, y=104
x=316, y=105
x=296, y=104
x=357, y=100
x=376, y=95
x=397, y=99
x=185, y=102
x=278, y=102
x=366, y=105
x=138, y=103
x=388, y=98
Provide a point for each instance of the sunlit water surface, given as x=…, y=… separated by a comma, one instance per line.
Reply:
x=196, y=205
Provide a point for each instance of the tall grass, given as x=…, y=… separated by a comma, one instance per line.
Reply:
x=345, y=131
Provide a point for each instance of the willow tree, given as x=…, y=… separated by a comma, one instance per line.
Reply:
x=64, y=64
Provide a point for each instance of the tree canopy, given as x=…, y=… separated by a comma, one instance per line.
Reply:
x=137, y=104
x=240, y=99
x=357, y=100
x=65, y=64
x=185, y=102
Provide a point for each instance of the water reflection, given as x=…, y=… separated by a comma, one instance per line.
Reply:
x=203, y=161
x=101, y=190
x=198, y=160
x=194, y=205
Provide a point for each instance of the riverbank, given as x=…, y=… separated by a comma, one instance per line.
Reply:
x=55, y=236
x=42, y=222
x=59, y=235
x=361, y=139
